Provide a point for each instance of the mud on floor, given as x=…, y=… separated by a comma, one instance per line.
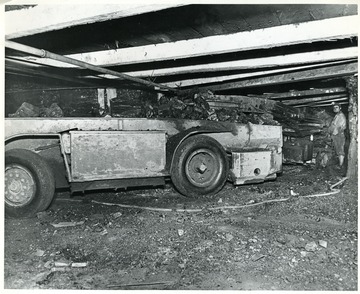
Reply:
x=298, y=244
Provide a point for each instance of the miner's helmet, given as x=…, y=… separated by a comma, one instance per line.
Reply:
x=334, y=104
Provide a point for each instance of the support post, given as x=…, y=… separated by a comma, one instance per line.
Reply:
x=352, y=86
x=101, y=100
x=111, y=93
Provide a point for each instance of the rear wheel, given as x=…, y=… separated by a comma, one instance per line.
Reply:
x=29, y=183
x=200, y=166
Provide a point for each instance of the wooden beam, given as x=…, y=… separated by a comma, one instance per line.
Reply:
x=251, y=63
x=323, y=105
x=49, y=17
x=341, y=28
x=303, y=93
x=313, y=99
x=34, y=72
x=299, y=76
x=201, y=81
x=81, y=64
x=329, y=101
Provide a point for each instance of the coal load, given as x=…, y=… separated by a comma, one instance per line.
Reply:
x=197, y=106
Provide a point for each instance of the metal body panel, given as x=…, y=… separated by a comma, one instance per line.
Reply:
x=234, y=137
x=100, y=155
x=33, y=143
x=241, y=135
x=175, y=126
x=251, y=136
x=50, y=150
x=250, y=166
x=15, y=126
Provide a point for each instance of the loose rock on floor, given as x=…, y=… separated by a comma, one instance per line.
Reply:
x=300, y=244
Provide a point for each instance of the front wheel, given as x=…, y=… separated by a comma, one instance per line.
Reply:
x=200, y=166
x=29, y=183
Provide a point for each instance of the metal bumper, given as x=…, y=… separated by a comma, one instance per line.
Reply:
x=251, y=167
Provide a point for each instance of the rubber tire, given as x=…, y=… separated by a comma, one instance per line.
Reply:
x=178, y=174
x=44, y=182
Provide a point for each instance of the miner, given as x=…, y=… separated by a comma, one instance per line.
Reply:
x=336, y=131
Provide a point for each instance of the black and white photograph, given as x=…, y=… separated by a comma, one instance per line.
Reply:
x=169, y=145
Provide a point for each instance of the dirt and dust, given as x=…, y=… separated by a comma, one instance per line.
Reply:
x=298, y=244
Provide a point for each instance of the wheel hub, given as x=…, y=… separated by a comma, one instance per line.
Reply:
x=19, y=185
x=15, y=186
x=202, y=167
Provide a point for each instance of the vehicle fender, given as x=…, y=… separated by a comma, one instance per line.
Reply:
x=174, y=141
x=48, y=147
